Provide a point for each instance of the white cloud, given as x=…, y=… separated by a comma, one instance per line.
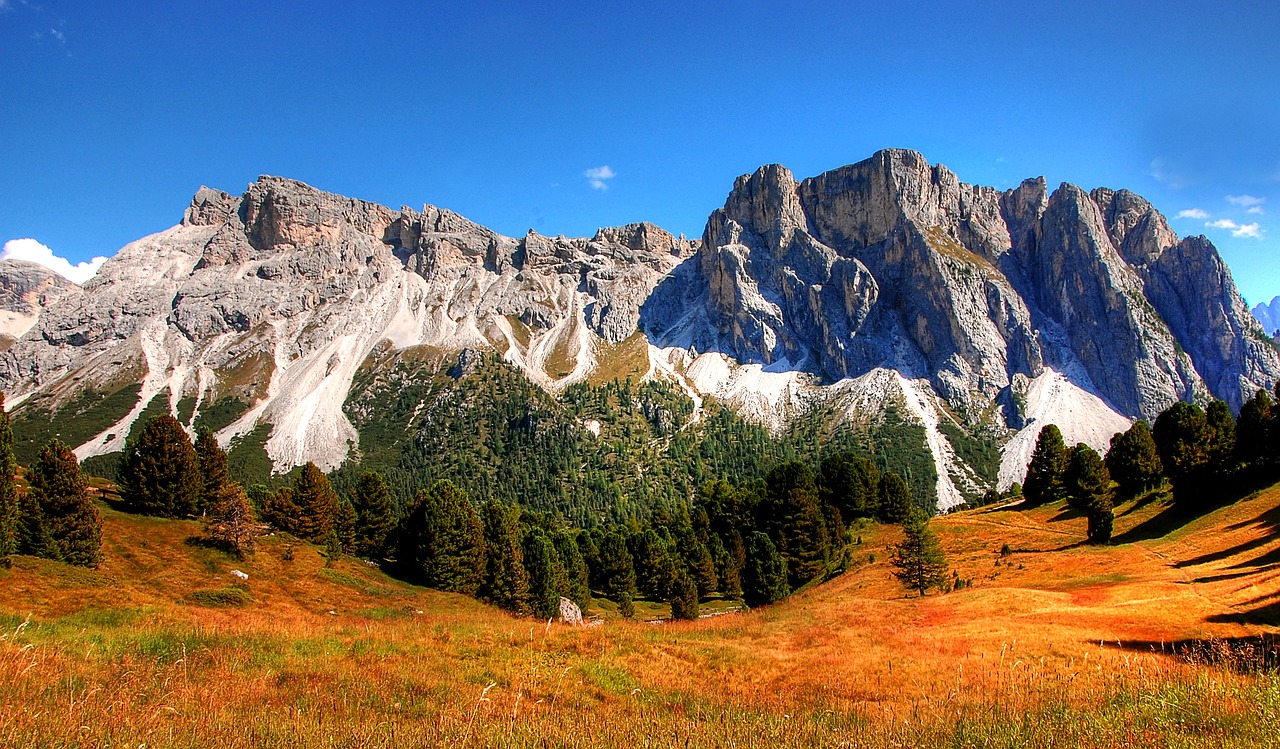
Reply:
x=34, y=252
x=1223, y=223
x=1253, y=231
x=598, y=176
x=1196, y=213
x=1256, y=210
x=1161, y=173
x=1245, y=201
x=58, y=35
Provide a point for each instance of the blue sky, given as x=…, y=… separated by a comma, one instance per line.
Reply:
x=113, y=114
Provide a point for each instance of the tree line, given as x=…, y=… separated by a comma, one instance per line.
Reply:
x=1202, y=455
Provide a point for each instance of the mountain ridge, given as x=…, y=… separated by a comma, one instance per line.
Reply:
x=888, y=281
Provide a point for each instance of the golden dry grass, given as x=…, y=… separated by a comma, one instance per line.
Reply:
x=1054, y=644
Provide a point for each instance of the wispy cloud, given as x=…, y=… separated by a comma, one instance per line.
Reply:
x=1161, y=173
x=1195, y=213
x=34, y=252
x=1257, y=210
x=599, y=176
x=1245, y=201
x=1252, y=231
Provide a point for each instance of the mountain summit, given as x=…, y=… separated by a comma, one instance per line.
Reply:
x=884, y=284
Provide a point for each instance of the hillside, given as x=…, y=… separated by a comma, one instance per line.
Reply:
x=1053, y=644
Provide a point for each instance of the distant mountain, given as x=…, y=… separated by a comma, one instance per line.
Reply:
x=295, y=322
x=1269, y=316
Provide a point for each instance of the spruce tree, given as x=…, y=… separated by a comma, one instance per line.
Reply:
x=698, y=561
x=576, y=577
x=375, y=514
x=158, y=472
x=764, y=579
x=652, y=560
x=8, y=487
x=919, y=562
x=728, y=572
x=68, y=514
x=1088, y=487
x=1043, y=483
x=617, y=569
x=793, y=519
x=345, y=523
x=441, y=540
x=280, y=511
x=851, y=484
x=1182, y=436
x=506, y=583
x=894, y=503
x=1222, y=436
x=211, y=460
x=317, y=504
x=546, y=574
x=1252, y=428
x=684, y=597
x=32, y=536
x=230, y=519
x=1133, y=461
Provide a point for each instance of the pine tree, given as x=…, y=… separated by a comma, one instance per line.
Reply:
x=1182, y=438
x=506, y=583
x=8, y=487
x=280, y=511
x=230, y=519
x=851, y=484
x=617, y=569
x=728, y=573
x=652, y=560
x=32, y=536
x=441, y=540
x=345, y=523
x=372, y=501
x=793, y=519
x=546, y=574
x=1088, y=487
x=1222, y=436
x=1252, y=428
x=697, y=560
x=211, y=460
x=577, y=587
x=317, y=504
x=1043, y=483
x=65, y=508
x=1133, y=461
x=764, y=580
x=684, y=597
x=919, y=562
x=158, y=473
x=894, y=503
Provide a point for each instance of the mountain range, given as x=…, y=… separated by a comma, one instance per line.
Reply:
x=1269, y=316
x=883, y=287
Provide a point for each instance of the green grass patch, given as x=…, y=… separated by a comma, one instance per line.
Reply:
x=219, y=597
x=86, y=416
x=247, y=459
x=221, y=414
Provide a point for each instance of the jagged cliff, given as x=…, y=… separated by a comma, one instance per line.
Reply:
x=884, y=284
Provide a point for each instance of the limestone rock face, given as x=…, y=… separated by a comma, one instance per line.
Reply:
x=1269, y=316
x=26, y=288
x=895, y=263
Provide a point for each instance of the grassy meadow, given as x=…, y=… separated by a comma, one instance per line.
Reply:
x=1152, y=641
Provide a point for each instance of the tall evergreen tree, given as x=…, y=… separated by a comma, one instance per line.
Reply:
x=1182, y=438
x=793, y=519
x=894, y=503
x=728, y=572
x=764, y=579
x=345, y=525
x=1222, y=436
x=280, y=511
x=317, y=504
x=374, y=512
x=1088, y=487
x=67, y=512
x=8, y=487
x=1045, y=471
x=576, y=576
x=617, y=568
x=158, y=473
x=230, y=519
x=684, y=597
x=506, y=584
x=32, y=536
x=653, y=565
x=1133, y=461
x=211, y=460
x=919, y=562
x=546, y=574
x=851, y=484
x=441, y=540
x=1252, y=439
x=697, y=561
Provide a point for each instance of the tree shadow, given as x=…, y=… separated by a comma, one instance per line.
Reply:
x=1249, y=655
x=1222, y=577
x=1268, y=614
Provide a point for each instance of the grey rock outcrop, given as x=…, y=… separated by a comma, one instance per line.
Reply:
x=895, y=263
x=1269, y=316
x=26, y=289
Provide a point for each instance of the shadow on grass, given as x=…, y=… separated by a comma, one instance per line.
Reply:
x=1249, y=655
x=1265, y=614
